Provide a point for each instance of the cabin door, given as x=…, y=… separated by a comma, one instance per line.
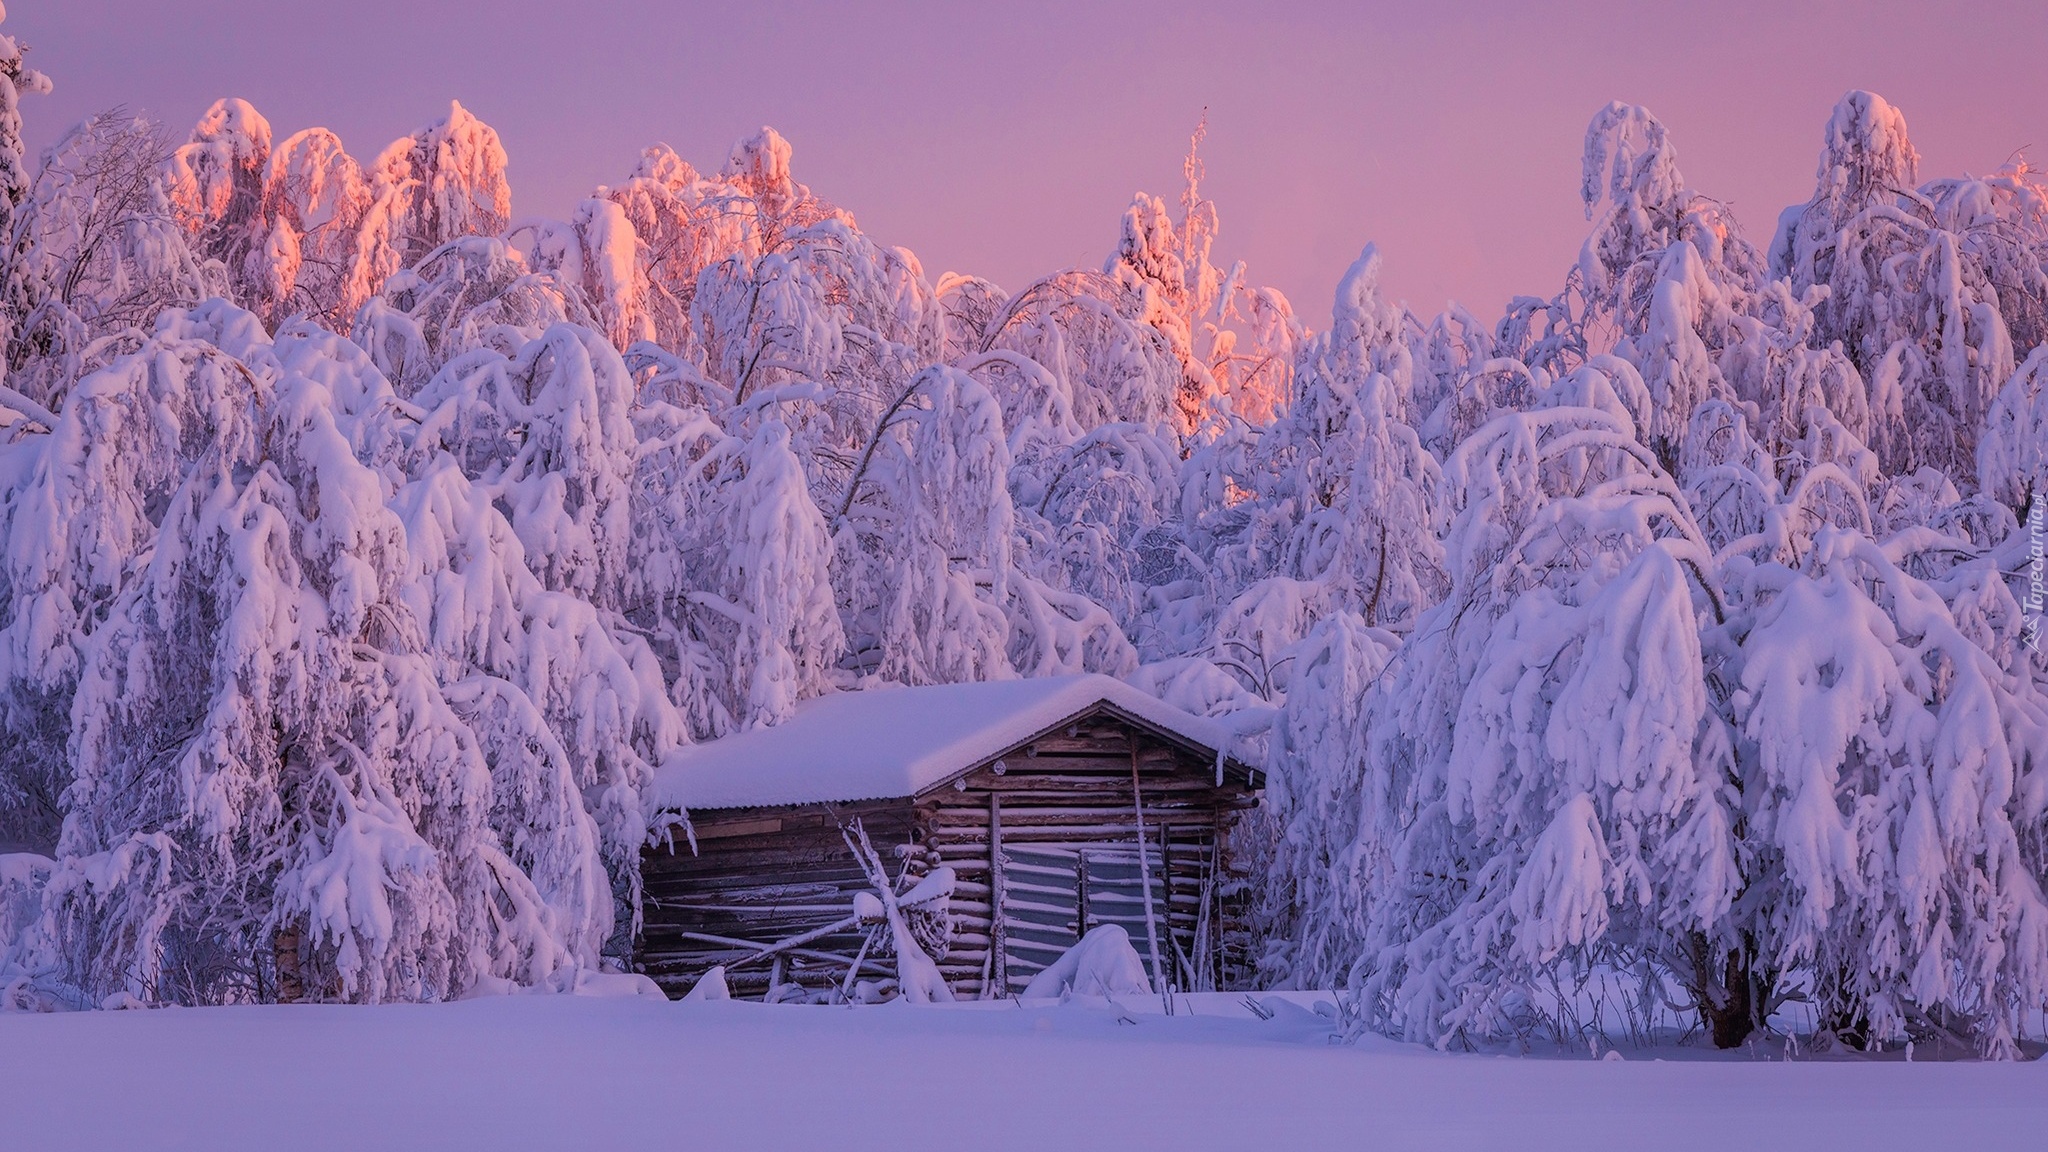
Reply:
x=1053, y=894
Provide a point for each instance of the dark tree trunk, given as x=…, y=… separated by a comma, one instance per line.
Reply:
x=291, y=982
x=1727, y=998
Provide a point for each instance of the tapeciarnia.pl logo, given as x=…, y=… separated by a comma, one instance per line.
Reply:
x=2037, y=573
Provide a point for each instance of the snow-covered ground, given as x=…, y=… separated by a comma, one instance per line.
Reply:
x=561, y=1072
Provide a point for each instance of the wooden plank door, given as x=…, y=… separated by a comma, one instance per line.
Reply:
x=1053, y=894
x=1114, y=882
x=1042, y=908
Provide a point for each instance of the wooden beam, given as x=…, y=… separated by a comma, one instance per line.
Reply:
x=833, y=958
x=1160, y=984
x=729, y=828
x=999, y=941
x=776, y=949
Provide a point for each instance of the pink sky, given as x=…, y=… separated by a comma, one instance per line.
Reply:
x=1006, y=140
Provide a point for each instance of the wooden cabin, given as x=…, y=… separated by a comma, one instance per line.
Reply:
x=1031, y=792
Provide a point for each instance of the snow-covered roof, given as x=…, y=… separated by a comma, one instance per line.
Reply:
x=889, y=742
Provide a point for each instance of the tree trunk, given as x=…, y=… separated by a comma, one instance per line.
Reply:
x=1727, y=999
x=284, y=948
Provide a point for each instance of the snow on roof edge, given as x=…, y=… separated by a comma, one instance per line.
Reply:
x=894, y=742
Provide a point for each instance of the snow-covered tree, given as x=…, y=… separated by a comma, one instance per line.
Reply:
x=473, y=294
x=1362, y=485
x=318, y=798
x=1149, y=264
x=317, y=196
x=1202, y=312
x=1087, y=505
x=764, y=322
x=927, y=537
x=1893, y=810
x=1092, y=335
x=732, y=569
x=684, y=223
x=327, y=734
x=1545, y=781
x=1918, y=282
x=16, y=80
x=217, y=185
x=572, y=711
x=1664, y=271
x=441, y=183
x=1317, y=802
x=98, y=254
x=759, y=169
x=549, y=434
x=597, y=253
x=84, y=503
x=2012, y=455
x=519, y=514
x=1640, y=206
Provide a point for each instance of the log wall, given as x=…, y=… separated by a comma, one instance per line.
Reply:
x=760, y=875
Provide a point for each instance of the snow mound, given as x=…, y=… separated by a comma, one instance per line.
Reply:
x=710, y=986
x=1102, y=963
x=571, y=982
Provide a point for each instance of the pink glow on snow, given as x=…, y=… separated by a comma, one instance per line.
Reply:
x=1006, y=140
